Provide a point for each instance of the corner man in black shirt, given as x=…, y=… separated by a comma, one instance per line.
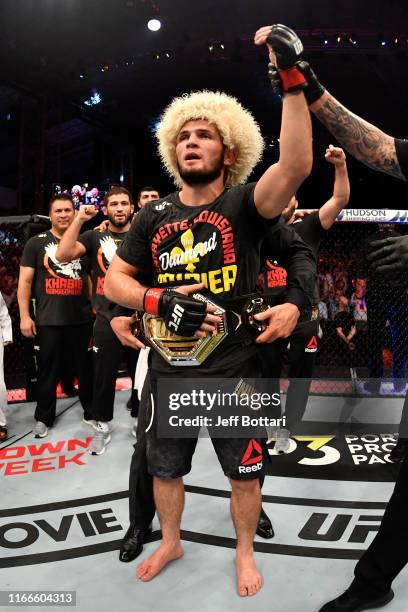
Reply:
x=63, y=314
x=312, y=228
x=207, y=235
x=388, y=553
x=107, y=350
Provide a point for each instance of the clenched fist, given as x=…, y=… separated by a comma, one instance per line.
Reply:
x=335, y=155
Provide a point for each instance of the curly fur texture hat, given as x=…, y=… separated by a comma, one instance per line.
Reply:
x=236, y=125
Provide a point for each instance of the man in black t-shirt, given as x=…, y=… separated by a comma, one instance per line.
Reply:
x=388, y=553
x=62, y=312
x=207, y=235
x=300, y=269
x=107, y=350
x=346, y=331
x=312, y=228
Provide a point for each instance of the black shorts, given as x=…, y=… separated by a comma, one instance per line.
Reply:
x=240, y=458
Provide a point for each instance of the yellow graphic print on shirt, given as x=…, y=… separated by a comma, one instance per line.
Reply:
x=191, y=253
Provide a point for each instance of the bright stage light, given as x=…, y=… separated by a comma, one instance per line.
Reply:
x=94, y=99
x=154, y=25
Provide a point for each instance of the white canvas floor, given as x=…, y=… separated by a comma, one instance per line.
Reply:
x=64, y=512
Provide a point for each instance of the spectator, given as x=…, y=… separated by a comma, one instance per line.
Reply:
x=345, y=327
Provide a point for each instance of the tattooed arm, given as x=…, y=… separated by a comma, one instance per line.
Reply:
x=364, y=141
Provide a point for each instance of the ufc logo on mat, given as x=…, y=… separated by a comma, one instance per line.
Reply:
x=176, y=317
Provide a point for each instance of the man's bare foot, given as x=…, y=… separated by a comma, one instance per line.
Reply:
x=149, y=568
x=249, y=580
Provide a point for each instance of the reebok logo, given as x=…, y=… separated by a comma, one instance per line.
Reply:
x=252, y=458
x=176, y=315
x=312, y=345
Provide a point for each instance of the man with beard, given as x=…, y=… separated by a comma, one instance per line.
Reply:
x=300, y=268
x=209, y=234
x=101, y=247
x=63, y=317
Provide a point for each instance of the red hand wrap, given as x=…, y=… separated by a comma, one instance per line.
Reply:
x=291, y=79
x=151, y=300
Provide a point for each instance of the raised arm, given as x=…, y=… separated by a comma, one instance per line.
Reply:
x=341, y=188
x=364, y=141
x=69, y=248
x=278, y=184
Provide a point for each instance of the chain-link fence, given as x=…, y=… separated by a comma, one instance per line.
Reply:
x=363, y=331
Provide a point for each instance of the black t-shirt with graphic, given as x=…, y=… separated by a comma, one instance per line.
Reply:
x=100, y=248
x=311, y=231
x=217, y=244
x=60, y=289
x=289, y=268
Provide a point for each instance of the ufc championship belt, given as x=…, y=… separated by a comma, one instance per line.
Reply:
x=193, y=351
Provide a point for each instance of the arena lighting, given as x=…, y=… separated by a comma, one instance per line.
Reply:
x=154, y=25
x=94, y=99
x=154, y=125
x=215, y=46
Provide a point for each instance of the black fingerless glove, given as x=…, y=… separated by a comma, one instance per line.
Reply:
x=275, y=79
x=288, y=48
x=182, y=314
x=314, y=89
